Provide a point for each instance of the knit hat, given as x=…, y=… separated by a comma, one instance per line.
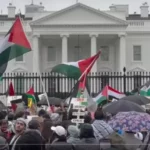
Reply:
x=3, y=144
x=73, y=131
x=59, y=130
x=33, y=124
x=55, y=117
x=138, y=136
x=86, y=131
x=22, y=120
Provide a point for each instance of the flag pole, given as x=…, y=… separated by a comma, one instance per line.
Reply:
x=85, y=71
x=44, y=90
x=88, y=67
x=39, y=73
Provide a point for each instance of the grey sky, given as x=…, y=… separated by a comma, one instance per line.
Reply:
x=134, y=5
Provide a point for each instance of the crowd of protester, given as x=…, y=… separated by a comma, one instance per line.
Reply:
x=55, y=131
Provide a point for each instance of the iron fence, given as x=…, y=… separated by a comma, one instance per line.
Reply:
x=60, y=86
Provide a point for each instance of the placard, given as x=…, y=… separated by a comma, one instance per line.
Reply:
x=79, y=107
x=77, y=121
x=78, y=113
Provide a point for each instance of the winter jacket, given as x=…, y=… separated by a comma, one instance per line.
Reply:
x=30, y=140
x=101, y=129
x=87, y=144
x=73, y=132
x=59, y=145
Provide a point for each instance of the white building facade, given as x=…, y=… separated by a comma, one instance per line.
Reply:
x=78, y=32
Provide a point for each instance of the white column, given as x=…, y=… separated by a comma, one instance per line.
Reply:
x=122, y=52
x=64, y=59
x=64, y=48
x=94, y=49
x=93, y=52
x=36, y=57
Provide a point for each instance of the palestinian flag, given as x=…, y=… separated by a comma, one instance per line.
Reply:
x=106, y=93
x=82, y=91
x=145, y=91
x=76, y=69
x=31, y=98
x=14, y=44
x=11, y=93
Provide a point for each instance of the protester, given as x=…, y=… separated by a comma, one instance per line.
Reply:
x=20, y=127
x=34, y=124
x=46, y=130
x=3, y=144
x=10, y=120
x=73, y=137
x=4, y=130
x=88, y=140
x=19, y=114
x=46, y=116
x=30, y=140
x=59, y=139
x=87, y=119
x=100, y=127
x=2, y=115
x=56, y=119
x=10, y=116
x=41, y=113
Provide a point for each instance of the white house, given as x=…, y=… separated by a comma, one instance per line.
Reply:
x=78, y=32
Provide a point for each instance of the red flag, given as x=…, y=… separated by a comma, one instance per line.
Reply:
x=105, y=91
x=87, y=64
x=82, y=82
x=11, y=92
x=31, y=91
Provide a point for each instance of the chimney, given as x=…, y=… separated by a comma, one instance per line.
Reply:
x=120, y=8
x=41, y=7
x=112, y=7
x=144, y=10
x=11, y=11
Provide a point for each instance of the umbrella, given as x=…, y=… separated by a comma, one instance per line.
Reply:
x=122, y=106
x=147, y=84
x=52, y=101
x=131, y=121
x=141, y=100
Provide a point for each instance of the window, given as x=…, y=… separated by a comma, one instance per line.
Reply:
x=105, y=53
x=77, y=53
x=19, y=58
x=51, y=54
x=137, y=53
x=19, y=84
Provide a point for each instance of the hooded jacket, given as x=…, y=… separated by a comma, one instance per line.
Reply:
x=87, y=139
x=73, y=135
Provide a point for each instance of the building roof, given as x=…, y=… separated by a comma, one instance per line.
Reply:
x=137, y=17
x=5, y=17
x=130, y=17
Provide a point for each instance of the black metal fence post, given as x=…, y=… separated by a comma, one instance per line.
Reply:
x=124, y=79
x=56, y=84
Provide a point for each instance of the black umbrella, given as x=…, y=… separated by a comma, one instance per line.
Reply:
x=122, y=106
x=141, y=100
x=52, y=100
x=137, y=90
